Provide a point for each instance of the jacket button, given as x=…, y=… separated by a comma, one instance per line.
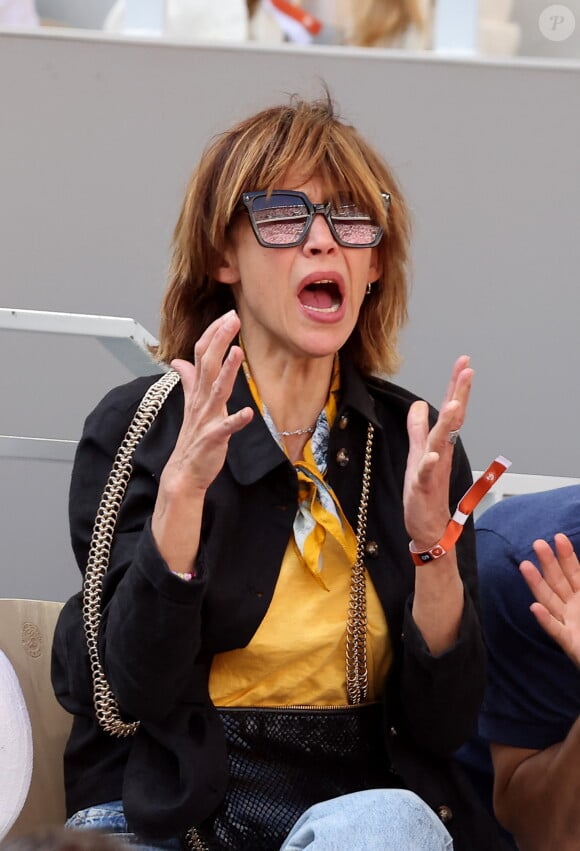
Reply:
x=393, y=732
x=445, y=813
x=372, y=549
x=342, y=457
x=343, y=421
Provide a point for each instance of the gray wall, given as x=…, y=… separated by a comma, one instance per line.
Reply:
x=98, y=138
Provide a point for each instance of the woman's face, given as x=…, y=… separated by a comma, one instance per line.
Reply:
x=303, y=300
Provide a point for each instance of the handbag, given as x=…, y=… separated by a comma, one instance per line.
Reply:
x=282, y=760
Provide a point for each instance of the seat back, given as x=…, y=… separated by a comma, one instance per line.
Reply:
x=26, y=631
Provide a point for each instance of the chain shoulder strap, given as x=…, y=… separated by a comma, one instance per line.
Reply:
x=106, y=706
x=357, y=678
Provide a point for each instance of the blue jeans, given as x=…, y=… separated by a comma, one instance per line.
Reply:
x=375, y=820
x=110, y=818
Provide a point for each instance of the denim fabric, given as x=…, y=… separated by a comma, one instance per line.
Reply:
x=374, y=820
x=110, y=818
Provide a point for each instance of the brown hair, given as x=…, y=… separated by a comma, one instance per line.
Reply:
x=379, y=22
x=304, y=137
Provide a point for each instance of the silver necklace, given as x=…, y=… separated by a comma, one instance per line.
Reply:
x=309, y=430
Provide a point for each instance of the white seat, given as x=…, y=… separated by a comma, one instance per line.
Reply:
x=15, y=747
x=26, y=631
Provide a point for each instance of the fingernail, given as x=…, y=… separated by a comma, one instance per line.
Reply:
x=230, y=319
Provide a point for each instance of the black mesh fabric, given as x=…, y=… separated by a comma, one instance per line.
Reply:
x=284, y=760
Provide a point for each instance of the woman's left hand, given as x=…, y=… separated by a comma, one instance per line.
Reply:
x=426, y=487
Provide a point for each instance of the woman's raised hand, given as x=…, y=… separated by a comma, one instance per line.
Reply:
x=202, y=443
x=557, y=592
x=426, y=488
x=201, y=446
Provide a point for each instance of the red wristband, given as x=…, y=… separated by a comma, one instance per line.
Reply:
x=465, y=508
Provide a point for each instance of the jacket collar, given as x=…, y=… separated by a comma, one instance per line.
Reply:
x=252, y=453
x=355, y=394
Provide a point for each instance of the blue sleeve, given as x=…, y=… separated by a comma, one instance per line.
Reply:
x=533, y=691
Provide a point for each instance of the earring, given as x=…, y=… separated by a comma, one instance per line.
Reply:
x=369, y=287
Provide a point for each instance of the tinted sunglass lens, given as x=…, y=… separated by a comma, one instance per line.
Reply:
x=353, y=225
x=280, y=219
x=356, y=233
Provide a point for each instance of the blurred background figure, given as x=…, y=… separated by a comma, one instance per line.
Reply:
x=18, y=14
x=226, y=20
x=402, y=24
x=505, y=27
x=368, y=23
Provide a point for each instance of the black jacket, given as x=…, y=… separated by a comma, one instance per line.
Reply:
x=159, y=633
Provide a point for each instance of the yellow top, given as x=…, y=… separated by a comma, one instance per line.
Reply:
x=297, y=655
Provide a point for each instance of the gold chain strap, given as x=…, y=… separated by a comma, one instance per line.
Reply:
x=357, y=679
x=194, y=841
x=105, y=703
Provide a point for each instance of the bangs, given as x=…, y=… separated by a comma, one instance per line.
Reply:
x=338, y=164
x=292, y=145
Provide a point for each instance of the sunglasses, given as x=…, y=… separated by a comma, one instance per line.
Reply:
x=282, y=218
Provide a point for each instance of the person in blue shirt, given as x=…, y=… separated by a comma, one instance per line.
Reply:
x=529, y=727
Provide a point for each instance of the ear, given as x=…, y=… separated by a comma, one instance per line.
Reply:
x=227, y=271
x=375, y=267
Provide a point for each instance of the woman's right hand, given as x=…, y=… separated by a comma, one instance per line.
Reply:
x=201, y=446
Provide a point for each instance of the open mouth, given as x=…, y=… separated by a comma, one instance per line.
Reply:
x=323, y=296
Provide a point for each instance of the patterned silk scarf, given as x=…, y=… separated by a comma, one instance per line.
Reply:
x=319, y=513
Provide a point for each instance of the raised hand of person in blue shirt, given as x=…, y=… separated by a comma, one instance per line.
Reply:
x=557, y=592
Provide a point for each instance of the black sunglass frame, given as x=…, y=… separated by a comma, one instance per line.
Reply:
x=247, y=201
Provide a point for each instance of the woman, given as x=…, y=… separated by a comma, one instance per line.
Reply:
x=229, y=604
